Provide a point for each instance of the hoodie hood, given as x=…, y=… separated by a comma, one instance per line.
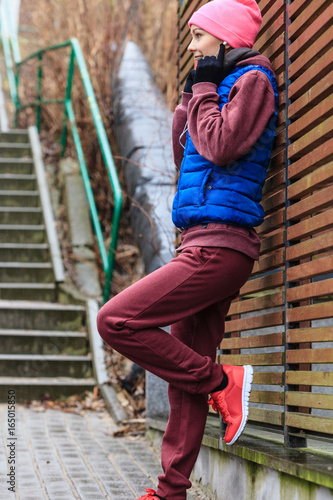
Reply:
x=244, y=57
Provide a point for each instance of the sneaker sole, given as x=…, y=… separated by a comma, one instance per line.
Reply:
x=247, y=383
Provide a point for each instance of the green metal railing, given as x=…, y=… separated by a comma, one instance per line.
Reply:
x=13, y=64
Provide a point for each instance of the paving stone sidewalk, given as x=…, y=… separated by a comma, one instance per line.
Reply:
x=64, y=456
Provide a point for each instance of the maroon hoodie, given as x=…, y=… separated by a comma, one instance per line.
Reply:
x=224, y=136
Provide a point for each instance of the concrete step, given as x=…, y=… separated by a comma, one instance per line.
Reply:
x=42, y=342
x=16, y=135
x=41, y=316
x=32, y=272
x=21, y=215
x=46, y=292
x=18, y=182
x=50, y=365
x=24, y=252
x=22, y=166
x=27, y=389
x=15, y=150
x=17, y=233
x=19, y=198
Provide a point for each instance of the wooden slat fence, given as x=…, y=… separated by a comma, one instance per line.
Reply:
x=282, y=323
x=309, y=214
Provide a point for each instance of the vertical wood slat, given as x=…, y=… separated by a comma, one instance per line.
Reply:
x=309, y=301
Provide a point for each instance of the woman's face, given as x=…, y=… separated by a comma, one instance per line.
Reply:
x=203, y=43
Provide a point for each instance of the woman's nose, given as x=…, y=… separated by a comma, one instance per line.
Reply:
x=191, y=46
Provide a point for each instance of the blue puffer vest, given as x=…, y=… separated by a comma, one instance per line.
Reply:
x=227, y=193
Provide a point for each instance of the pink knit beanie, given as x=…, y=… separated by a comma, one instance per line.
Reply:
x=236, y=22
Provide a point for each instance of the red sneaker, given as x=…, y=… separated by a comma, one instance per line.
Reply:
x=151, y=495
x=233, y=401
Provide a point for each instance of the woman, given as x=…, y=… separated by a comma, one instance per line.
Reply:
x=228, y=113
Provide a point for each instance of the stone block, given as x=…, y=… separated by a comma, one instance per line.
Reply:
x=157, y=403
x=87, y=279
x=78, y=212
x=67, y=166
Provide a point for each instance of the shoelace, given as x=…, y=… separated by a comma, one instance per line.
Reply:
x=222, y=407
x=150, y=494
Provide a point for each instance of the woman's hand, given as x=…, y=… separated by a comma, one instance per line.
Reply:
x=189, y=82
x=210, y=69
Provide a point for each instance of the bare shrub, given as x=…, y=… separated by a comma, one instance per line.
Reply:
x=102, y=28
x=156, y=31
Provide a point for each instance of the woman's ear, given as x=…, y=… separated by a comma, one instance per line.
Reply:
x=227, y=47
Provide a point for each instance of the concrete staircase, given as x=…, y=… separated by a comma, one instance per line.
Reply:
x=25, y=266
x=44, y=344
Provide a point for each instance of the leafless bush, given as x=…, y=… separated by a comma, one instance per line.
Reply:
x=102, y=28
x=156, y=31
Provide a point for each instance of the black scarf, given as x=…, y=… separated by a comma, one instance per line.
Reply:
x=235, y=56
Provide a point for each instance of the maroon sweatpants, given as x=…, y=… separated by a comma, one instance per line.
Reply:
x=193, y=294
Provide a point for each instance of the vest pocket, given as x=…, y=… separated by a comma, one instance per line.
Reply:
x=204, y=186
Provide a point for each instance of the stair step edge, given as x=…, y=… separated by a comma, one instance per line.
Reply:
x=18, y=192
x=41, y=333
x=25, y=246
x=28, y=161
x=17, y=145
x=34, y=286
x=10, y=381
x=19, y=177
x=33, y=210
x=26, y=304
x=44, y=357
x=25, y=265
x=22, y=227
x=16, y=131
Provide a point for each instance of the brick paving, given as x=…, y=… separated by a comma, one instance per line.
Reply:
x=65, y=456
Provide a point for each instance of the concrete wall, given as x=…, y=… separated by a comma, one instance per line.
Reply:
x=224, y=476
x=143, y=130
x=231, y=477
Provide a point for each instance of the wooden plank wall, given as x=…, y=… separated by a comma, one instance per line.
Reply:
x=276, y=337
x=260, y=329
x=309, y=354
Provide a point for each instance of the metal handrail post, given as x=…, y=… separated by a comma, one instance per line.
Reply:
x=39, y=90
x=67, y=98
x=17, y=104
x=87, y=185
x=101, y=134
